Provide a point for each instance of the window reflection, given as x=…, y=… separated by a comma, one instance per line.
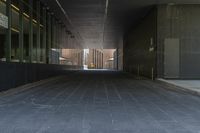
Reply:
x=15, y=52
x=2, y=33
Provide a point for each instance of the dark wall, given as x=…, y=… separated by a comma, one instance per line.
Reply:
x=138, y=46
x=16, y=74
x=180, y=22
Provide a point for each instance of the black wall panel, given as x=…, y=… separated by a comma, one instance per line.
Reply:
x=16, y=74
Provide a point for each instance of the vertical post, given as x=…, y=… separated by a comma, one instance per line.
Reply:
x=31, y=31
x=93, y=57
x=52, y=33
x=152, y=73
x=117, y=58
x=21, y=32
x=8, y=36
x=48, y=39
x=98, y=61
x=102, y=61
x=55, y=35
x=97, y=58
x=38, y=32
x=44, y=36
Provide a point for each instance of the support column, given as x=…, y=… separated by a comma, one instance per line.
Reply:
x=56, y=35
x=30, y=31
x=97, y=59
x=93, y=54
x=48, y=39
x=117, y=58
x=44, y=36
x=53, y=33
x=38, y=32
x=101, y=60
x=8, y=36
x=21, y=32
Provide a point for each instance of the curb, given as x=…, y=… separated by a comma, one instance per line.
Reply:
x=180, y=88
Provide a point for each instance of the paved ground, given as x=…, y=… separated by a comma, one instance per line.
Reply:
x=192, y=86
x=99, y=102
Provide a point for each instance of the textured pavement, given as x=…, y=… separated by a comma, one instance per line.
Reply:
x=99, y=102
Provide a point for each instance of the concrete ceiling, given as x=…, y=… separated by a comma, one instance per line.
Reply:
x=99, y=23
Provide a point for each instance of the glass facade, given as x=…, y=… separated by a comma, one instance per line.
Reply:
x=15, y=35
x=32, y=34
x=2, y=33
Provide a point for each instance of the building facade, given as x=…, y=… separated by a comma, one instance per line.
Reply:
x=30, y=32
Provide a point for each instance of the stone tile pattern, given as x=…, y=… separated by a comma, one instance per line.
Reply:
x=100, y=102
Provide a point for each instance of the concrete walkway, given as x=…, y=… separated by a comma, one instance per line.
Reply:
x=99, y=102
x=192, y=86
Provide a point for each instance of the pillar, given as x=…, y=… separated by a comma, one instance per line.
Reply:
x=38, y=32
x=48, y=39
x=30, y=31
x=44, y=35
x=8, y=36
x=21, y=32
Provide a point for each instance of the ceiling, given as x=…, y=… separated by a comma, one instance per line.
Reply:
x=99, y=23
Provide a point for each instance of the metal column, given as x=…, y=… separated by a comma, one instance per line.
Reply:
x=8, y=36
x=21, y=32
x=48, y=39
x=44, y=36
x=38, y=32
x=31, y=32
x=117, y=58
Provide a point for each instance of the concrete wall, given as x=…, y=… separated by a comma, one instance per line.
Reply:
x=180, y=22
x=166, y=22
x=16, y=74
x=139, y=54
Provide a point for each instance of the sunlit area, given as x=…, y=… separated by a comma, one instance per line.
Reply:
x=90, y=58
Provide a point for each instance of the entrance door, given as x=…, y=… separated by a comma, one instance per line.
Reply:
x=171, y=58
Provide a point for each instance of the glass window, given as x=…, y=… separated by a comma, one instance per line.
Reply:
x=35, y=9
x=26, y=39
x=2, y=7
x=34, y=52
x=15, y=3
x=42, y=47
x=26, y=27
x=26, y=7
x=2, y=33
x=15, y=46
x=15, y=52
x=41, y=14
